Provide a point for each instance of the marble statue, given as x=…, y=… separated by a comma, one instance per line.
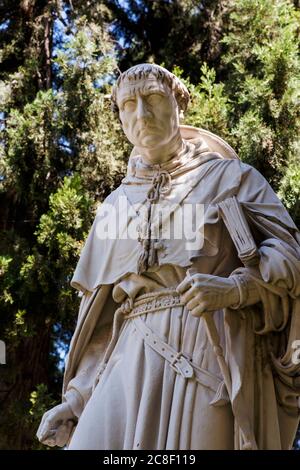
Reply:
x=185, y=337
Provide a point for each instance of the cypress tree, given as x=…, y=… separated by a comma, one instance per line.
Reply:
x=61, y=154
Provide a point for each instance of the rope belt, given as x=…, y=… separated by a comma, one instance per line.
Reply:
x=151, y=302
x=180, y=363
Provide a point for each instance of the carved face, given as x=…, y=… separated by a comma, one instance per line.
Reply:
x=149, y=112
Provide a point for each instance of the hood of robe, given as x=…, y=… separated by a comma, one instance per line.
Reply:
x=200, y=146
x=106, y=259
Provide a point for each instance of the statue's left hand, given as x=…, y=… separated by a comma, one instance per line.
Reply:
x=206, y=293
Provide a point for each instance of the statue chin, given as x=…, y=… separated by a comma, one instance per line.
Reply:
x=150, y=142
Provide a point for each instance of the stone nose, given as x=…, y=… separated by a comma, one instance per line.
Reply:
x=142, y=110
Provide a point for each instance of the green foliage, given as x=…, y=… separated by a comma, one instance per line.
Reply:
x=253, y=139
x=60, y=229
x=30, y=158
x=263, y=73
x=289, y=190
x=209, y=107
x=60, y=154
x=256, y=106
x=85, y=106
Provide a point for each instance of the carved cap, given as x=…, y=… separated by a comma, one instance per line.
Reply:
x=152, y=72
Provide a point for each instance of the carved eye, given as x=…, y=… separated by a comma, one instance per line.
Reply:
x=154, y=98
x=129, y=105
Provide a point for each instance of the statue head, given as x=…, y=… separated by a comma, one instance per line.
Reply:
x=148, y=99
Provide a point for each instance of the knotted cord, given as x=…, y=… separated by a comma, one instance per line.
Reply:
x=161, y=184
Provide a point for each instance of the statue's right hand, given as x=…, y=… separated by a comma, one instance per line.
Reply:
x=56, y=426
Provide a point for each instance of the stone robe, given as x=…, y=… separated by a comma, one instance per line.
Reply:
x=139, y=402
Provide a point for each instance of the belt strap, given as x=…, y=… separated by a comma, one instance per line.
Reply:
x=181, y=364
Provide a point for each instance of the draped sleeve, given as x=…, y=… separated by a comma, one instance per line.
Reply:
x=277, y=275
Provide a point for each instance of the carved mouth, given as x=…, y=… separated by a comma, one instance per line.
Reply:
x=149, y=130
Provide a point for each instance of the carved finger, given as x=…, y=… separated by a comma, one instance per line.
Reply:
x=39, y=432
x=199, y=310
x=48, y=428
x=190, y=294
x=194, y=302
x=49, y=441
x=43, y=434
x=204, y=278
x=48, y=436
x=45, y=416
x=63, y=433
x=184, y=285
x=54, y=421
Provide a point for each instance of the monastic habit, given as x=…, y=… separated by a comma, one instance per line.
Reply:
x=182, y=344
